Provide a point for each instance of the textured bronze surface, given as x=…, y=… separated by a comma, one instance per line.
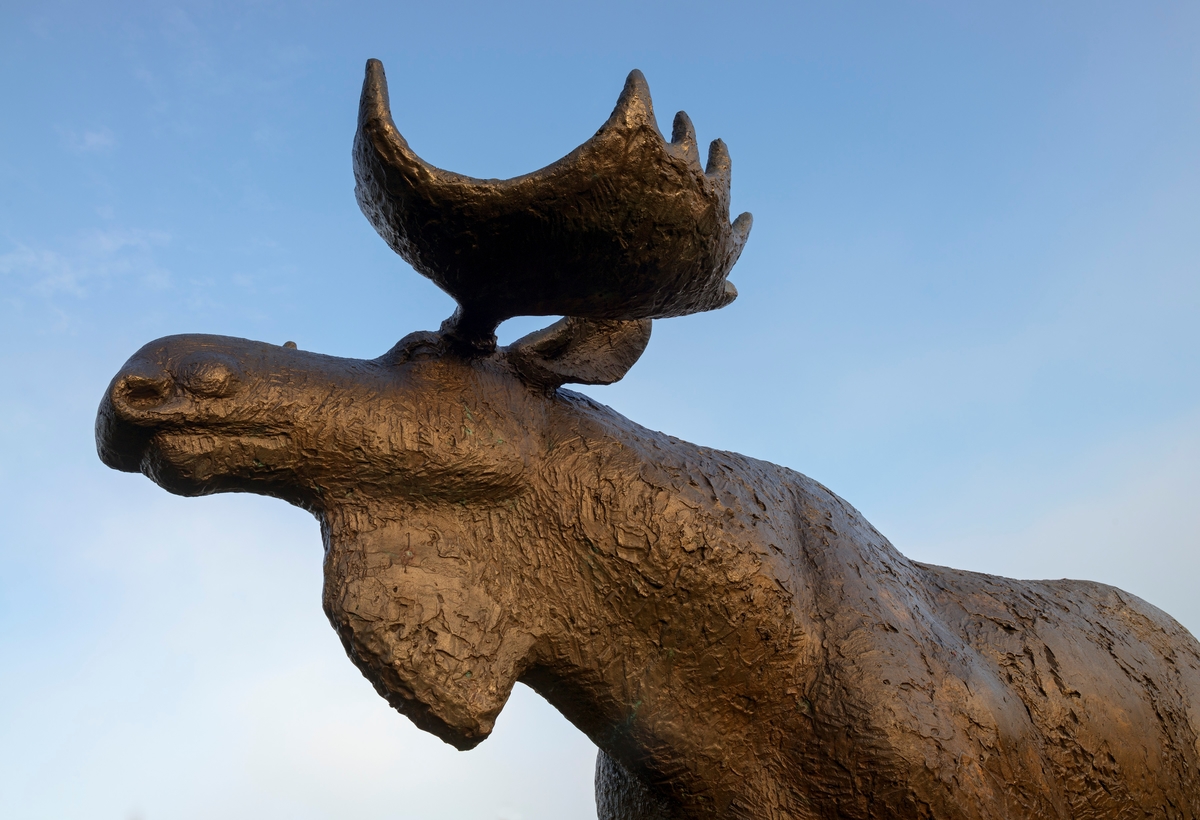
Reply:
x=737, y=640
x=626, y=226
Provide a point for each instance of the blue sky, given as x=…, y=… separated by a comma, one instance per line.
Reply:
x=970, y=305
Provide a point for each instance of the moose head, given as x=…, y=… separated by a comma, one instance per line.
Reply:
x=427, y=465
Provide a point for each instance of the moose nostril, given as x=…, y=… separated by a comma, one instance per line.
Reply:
x=143, y=392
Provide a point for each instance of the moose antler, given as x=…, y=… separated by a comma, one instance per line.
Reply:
x=627, y=226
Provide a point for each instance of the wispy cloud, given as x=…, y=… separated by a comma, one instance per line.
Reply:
x=93, y=141
x=45, y=271
x=91, y=260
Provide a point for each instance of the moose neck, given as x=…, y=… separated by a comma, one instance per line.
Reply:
x=663, y=593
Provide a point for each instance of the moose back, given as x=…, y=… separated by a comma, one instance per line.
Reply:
x=737, y=640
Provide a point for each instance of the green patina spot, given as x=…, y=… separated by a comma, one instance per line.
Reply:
x=632, y=714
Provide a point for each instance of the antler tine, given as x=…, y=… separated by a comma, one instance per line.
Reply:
x=634, y=108
x=626, y=226
x=683, y=139
x=719, y=167
x=388, y=174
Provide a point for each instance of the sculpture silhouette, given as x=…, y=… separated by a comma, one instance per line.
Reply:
x=737, y=640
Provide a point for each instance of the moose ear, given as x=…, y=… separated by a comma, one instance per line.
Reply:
x=579, y=351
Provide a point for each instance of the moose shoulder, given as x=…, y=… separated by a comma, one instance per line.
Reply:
x=737, y=640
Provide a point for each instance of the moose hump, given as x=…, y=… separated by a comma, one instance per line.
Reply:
x=627, y=226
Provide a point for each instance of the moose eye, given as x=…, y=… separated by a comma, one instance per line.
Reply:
x=211, y=375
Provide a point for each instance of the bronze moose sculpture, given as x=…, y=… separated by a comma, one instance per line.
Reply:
x=737, y=640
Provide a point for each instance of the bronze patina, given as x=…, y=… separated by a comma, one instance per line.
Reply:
x=737, y=640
